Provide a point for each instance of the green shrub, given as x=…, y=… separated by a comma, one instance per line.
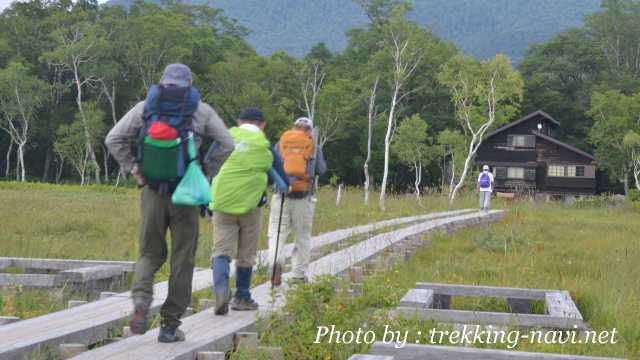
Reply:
x=634, y=195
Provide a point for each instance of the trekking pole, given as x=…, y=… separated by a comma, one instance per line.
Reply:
x=275, y=256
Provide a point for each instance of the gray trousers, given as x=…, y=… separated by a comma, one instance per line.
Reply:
x=158, y=216
x=297, y=217
x=485, y=200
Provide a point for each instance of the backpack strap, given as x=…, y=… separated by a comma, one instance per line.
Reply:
x=184, y=123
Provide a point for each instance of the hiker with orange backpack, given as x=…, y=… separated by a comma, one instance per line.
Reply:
x=303, y=160
x=169, y=126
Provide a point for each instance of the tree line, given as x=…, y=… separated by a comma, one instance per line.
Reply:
x=398, y=109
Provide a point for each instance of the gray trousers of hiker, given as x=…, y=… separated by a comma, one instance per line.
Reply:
x=158, y=216
x=485, y=200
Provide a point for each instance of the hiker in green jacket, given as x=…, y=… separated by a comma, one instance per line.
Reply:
x=239, y=192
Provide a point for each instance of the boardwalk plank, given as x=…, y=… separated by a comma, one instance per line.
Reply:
x=437, y=352
x=484, y=291
x=491, y=318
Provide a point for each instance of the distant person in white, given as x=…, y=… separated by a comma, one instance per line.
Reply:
x=485, y=186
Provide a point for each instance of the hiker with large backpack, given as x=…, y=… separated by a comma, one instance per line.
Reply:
x=303, y=160
x=168, y=126
x=485, y=187
x=239, y=193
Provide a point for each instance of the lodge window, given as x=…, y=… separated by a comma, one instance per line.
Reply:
x=518, y=140
x=527, y=141
x=566, y=171
x=575, y=171
x=556, y=170
x=515, y=173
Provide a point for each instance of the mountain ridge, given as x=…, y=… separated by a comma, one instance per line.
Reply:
x=480, y=28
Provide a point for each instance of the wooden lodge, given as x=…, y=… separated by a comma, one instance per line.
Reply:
x=525, y=157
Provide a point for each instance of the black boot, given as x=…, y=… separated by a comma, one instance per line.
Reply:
x=170, y=334
x=139, y=320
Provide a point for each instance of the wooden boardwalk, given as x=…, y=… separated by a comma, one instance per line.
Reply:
x=61, y=264
x=335, y=236
x=86, y=324
x=206, y=332
x=91, y=323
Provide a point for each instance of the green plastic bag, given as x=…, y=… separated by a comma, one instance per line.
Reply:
x=193, y=188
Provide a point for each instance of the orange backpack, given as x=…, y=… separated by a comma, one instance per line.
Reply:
x=296, y=150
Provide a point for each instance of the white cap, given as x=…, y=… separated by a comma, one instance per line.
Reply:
x=304, y=121
x=485, y=167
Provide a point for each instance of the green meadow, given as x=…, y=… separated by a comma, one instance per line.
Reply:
x=589, y=248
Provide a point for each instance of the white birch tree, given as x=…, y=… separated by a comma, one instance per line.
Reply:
x=371, y=116
x=616, y=124
x=70, y=144
x=21, y=96
x=79, y=46
x=485, y=95
x=453, y=144
x=310, y=86
x=631, y=142
x=412, y=147
x=405, y=54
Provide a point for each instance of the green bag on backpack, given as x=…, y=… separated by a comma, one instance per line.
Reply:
x=193, y=188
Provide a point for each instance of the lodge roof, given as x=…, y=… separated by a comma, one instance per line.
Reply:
x=566, y=146
x=523, y=119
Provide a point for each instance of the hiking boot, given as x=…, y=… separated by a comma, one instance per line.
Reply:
x=139, y=320
x=239, y=304
x=170, y=334
x=223, y=296
x=276, y=280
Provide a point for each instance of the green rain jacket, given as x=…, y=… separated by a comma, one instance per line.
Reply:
x=238, y=187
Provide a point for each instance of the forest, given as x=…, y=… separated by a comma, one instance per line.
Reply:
x=399, y=109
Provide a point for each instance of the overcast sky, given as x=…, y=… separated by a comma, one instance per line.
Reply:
x=5, y=3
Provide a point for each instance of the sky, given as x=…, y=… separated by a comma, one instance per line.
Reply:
x=5, y=3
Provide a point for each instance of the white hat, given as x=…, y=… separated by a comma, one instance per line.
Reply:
x=485, y=167
x=304, y=121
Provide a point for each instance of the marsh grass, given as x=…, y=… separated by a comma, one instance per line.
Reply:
x=590, y=251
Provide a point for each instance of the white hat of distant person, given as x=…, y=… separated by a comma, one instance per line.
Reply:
x=304, y=121
x=485, y=168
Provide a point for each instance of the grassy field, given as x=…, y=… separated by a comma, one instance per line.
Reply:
x=591, y=251
x=100, y=222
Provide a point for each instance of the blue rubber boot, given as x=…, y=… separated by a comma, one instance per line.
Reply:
x=242, y=300
x=221, y=289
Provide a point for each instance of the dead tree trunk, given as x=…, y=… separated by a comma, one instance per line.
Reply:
x=371, y=117
x=87, y=134
x=311, y=86
x=7, y=170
